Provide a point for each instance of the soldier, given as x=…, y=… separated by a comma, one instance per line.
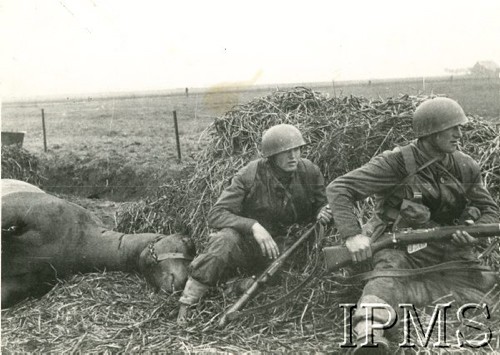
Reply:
x=425, y=184
x=252, y=215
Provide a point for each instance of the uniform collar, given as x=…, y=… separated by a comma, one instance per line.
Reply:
x=284, y=177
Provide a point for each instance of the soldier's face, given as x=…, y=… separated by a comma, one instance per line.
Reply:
x=288, y=160
x=447, y=141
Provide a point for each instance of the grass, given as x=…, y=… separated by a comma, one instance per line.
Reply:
x=102, y=122
x=120, y=147
x=107, y=123
x=133, y=138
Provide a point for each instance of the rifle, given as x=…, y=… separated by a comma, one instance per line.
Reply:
x=337, y=257
x=234, y=311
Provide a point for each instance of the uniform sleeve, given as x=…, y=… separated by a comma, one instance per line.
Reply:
x=226, y=213
x=480, y=197
x=374, y=177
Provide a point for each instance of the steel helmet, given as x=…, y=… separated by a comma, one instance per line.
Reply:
x=436, y=115
x=280, y=138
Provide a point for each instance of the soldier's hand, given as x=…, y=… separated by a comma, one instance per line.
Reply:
x=359, y=247
x=266, y=242
x=460, y=238
x=325, y=215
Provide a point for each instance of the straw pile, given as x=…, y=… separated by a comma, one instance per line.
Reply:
x=113, y=312
x=18, y=163
x=343, y=132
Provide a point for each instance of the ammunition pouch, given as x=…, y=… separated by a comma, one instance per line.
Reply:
x=413, y=215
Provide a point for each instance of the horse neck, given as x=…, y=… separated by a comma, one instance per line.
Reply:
x=114, y=251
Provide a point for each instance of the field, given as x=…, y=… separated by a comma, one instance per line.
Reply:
x=105, y=151
x=129, y=142
x=118, y=147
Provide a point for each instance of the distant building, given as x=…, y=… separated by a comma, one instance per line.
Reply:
x=486, y=68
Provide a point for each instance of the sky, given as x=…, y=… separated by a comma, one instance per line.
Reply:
x=59, y=47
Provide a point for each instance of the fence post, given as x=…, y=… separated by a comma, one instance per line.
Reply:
x=177, y=136
x=44, y=133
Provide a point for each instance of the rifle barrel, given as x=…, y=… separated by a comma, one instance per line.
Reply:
x=269, y=272
x=434, y=234
x=337, y=257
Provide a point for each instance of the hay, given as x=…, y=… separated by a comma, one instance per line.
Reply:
x=18, y=163
x=115, y=312
x=118, y=313
x=343, y=132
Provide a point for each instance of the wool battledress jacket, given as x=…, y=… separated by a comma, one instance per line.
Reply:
x=380, y=178
x=446, y=199
x=261, y=193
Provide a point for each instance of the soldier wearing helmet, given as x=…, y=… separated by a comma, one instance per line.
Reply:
x=252, y=214
x=426, y=183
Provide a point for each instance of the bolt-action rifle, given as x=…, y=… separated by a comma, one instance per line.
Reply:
x=337, y=257
x=234, y=311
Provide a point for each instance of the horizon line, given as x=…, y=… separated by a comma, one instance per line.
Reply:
x=226, y=87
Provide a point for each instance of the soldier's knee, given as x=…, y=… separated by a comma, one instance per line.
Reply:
x=226, y=236
x=210, y=268
x=391, y=258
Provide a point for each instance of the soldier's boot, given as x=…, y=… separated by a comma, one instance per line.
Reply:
x=382, y=343
x=193, y=292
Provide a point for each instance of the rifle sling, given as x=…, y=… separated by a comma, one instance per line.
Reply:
x=446, y=266
x=449, y=174
x=280, y=301
x=410, y=165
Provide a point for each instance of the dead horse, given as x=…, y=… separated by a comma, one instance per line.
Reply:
x=45, y=238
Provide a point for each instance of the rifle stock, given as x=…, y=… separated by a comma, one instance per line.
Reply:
x=336, y=257
x=232, y=312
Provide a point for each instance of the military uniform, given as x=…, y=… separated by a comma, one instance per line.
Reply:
x=261, y=193
x=449, y=190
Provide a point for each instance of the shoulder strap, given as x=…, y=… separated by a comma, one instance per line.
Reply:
x=411, y=169
x=411, y=165
x=456, y=155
